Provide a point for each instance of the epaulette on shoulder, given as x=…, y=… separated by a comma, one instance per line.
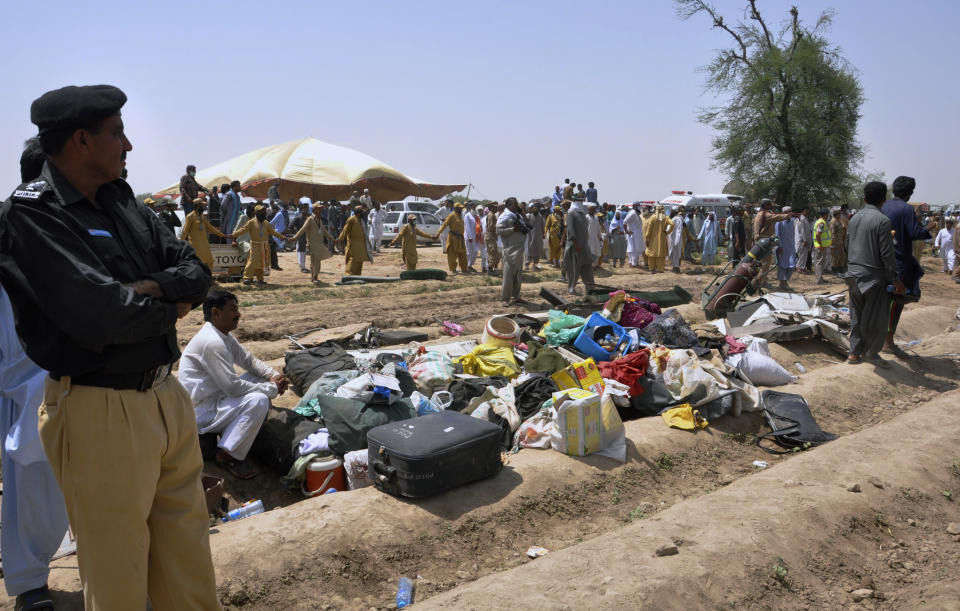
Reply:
x=31, y=191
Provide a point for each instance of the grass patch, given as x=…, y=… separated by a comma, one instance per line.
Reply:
x=666, y=462
x=637, y=514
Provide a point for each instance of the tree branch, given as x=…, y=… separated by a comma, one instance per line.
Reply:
x=755, y=15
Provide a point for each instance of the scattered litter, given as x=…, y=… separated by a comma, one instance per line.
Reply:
x=800, y=367
x=760, y=464
x=536, y=552
x=667, y=550
x=853, y=488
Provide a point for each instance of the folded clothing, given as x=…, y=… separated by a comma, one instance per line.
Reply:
x=541, y=358
x=316, y=442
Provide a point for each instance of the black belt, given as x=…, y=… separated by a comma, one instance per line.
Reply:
x=140, y=381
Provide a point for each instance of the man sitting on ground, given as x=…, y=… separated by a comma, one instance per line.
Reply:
x=224, y=402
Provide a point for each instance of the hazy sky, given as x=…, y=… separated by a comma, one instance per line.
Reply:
x=509, y=96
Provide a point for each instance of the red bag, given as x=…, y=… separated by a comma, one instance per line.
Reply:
x=627, y=370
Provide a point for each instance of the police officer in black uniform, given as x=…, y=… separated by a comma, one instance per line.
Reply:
x=97, y=284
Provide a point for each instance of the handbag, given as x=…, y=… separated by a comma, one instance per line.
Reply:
x=791, y=423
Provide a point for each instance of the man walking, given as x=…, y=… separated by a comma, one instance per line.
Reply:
x=512, y=230
x=872, y=266
x=315, y=232
x=97, y=285
x=456, y=248
x=906, y=228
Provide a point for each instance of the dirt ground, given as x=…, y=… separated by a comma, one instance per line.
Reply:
x=348, y=550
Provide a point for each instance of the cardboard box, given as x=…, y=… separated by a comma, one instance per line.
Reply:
x=584, y=375
x=580, y=420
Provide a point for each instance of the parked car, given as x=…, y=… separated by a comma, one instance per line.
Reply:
x=393, y=221
x=411, y=207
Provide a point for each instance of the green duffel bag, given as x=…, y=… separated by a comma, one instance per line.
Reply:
x=348, y=420
x=368, y=279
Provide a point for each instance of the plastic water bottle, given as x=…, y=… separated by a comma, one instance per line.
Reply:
x=404, y=592
x=247, y=509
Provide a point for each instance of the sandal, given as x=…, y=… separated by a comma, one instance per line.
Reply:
x=505, y=304
x=34, y=600
x=854, y=360
x=238, y=468
x=896, y=351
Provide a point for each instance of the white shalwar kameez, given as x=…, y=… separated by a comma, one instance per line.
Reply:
x=224, y=402
x=34, y=515
x=635, y=243
x=675, y=242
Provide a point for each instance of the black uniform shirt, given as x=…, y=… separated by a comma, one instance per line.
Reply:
x=65, y=261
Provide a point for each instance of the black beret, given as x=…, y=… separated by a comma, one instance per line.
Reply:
x=76, y=106
x=904, y=185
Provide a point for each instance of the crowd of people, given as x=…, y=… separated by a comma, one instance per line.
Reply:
x=92, y=285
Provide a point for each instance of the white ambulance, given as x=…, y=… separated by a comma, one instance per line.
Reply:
x=718, y=203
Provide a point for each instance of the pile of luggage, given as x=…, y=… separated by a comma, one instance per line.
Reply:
x=420, y=419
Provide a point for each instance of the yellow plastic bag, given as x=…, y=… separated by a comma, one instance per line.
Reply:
x=684, y=417
x=486, y=360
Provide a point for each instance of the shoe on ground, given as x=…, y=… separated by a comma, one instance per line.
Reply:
x=304, y=270
x=34, y=600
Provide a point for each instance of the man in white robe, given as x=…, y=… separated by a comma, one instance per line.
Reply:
x=470, y=235
x=675, y=240
x=635, y=244
x=594, y=239
x=224, y=402
x=803, y=240
x=375, y=225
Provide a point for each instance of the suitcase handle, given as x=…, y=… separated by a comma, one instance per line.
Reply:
x=384, y=472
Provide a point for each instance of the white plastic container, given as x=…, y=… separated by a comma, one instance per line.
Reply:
x=500, y=331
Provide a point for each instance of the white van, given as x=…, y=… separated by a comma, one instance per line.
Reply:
x=718, y=203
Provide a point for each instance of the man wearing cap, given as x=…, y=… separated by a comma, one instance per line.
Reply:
x=353, y=239
x=195, y=229
x=189, y=189
x=315, y=232
x=906, y=228
x=764, y=226
x=260, y=232
x=407, y=237
x=168, y=216
x=470, y=241
x=117, y=429
x=456, y=248
x=657, y=229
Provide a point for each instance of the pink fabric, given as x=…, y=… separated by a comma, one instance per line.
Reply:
x=734, y=346
x=639, y=313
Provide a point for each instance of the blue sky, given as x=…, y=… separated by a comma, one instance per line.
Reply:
x=509, y=96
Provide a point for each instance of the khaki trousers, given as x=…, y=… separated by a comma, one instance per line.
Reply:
x=493, y=255
x=129, y=464
x=315, y=262
x=456, y=253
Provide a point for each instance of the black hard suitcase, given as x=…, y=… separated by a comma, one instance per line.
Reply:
x=428, y=455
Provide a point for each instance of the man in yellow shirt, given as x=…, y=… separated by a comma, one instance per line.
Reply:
x=456, y=248
x=822, y=240
x=316, y=231
x=196, y=226
x=353, y=238
x=655, y=231
x=408, y=241
x=260, y=230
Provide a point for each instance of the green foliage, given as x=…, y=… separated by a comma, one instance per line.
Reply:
x=789, y=127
